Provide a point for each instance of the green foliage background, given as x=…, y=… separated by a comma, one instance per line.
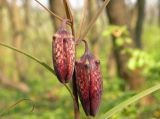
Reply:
x=51, y=99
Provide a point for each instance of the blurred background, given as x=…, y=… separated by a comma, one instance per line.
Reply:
x=126, y=39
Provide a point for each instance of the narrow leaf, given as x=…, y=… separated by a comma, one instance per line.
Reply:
x=82, y=19
x=94, y=19
x=38, y=61
x=129, y=101
x=29, y=56
x=69, y=15
x=68, y=9
x=58, y=17
x=13, y=105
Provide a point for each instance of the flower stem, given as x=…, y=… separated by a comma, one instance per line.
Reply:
x=76, y=104
x=74, y=87
x=69, y=91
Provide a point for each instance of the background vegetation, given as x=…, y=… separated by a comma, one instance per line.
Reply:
x=125, y=38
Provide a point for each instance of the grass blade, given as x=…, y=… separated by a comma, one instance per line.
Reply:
x=29, y=56
x=13, y=105
x=130, y=101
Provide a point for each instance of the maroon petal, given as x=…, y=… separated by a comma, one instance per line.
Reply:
x=89, y=82
x=63, y=53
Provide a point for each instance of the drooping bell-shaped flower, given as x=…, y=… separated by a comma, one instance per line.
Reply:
x=89, y=82
x=63, y=53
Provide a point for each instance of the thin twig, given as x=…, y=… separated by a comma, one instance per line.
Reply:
x=93, y=20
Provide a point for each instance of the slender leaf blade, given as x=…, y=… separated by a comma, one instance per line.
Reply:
x=37, y=60
x=68, y=9
x=29, y=56
x=130, y=101
x=94, y=19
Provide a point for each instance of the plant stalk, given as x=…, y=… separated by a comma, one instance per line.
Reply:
x=75, y=101
x=74, y=87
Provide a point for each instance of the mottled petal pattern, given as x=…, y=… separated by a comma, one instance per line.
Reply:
x=63, y=53
x=95, y=87
x=89, y=83
x=82, y=80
